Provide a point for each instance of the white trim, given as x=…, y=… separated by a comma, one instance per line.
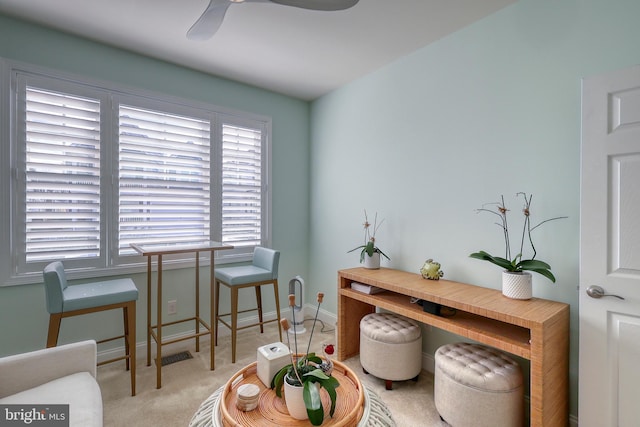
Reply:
x=139, y=267
x=5, y=173
x=124, y=89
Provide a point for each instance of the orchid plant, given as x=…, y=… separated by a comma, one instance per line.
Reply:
x=518, y=264
x=305, y=371
x=369, y=247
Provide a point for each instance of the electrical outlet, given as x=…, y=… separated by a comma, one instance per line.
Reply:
x=172, y=307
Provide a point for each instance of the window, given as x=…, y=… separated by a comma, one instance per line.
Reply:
x=241, y=186
x=164, y=181
x=62, y=176
x=97, y=168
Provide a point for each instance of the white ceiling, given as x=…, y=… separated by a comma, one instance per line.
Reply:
x=293, y=51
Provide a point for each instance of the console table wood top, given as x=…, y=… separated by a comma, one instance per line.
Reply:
x=534, y=329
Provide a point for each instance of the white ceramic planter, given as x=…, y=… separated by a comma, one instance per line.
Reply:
x=295, y=402
x=516, y=285
x=372, y=262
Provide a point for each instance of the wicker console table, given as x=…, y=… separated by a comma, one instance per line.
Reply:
x=535, y=329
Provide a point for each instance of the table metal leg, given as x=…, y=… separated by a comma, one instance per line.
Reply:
x=159, y=327
x=211, y=310
x=197, y=301
x=149, y=310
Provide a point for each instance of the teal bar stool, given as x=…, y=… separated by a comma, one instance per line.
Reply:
x=67, y=301
x=262, y=271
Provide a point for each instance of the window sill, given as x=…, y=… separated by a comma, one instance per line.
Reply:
x=138, y=267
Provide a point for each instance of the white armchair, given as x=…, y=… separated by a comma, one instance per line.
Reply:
x=58, y=375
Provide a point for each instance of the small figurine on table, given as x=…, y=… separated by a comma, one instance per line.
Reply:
x=431, y=270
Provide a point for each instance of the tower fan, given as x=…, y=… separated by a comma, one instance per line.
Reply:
x=296, y=288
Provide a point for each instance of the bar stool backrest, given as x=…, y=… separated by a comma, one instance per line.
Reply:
x=267, y=259
x=55, y=282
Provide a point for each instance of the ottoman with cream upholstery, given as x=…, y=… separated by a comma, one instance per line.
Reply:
x=477, y=386
x=390, y=347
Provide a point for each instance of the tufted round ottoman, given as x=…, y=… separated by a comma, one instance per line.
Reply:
x=477, y=386
x=390, y=347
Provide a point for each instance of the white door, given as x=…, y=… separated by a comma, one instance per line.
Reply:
x=609, y=377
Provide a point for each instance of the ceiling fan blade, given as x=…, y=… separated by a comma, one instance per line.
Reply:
x=319, y=4
x=207, y=25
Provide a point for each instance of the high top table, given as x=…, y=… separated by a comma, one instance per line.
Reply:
x=159, y=250
x=535, y=329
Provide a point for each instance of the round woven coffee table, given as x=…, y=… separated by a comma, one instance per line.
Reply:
x=355, y=405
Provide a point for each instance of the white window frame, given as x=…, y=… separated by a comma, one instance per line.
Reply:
x=111, y=96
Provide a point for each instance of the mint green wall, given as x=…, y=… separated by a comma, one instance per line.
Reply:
x=23, y=317
x=492, y=109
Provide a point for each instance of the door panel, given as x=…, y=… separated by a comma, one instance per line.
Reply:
x=609, y=378
x=625, y=346
x=625, y=252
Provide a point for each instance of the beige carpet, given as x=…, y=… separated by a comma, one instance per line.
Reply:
x=186, y=384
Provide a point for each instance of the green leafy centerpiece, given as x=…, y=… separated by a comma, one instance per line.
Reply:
x=305, y=372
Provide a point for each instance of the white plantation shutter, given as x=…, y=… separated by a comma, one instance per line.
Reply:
x=164, y=178
x=62, y=176
x=241, y=186
x=95, y=167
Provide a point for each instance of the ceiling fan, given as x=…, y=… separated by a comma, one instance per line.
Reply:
x=207, y=25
